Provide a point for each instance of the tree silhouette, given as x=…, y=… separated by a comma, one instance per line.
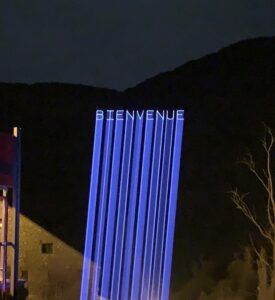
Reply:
x=266, y=253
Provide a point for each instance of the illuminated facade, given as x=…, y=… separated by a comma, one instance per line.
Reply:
x=132, y=205
x=50, y=268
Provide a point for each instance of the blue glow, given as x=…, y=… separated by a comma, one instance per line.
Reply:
x=123, y=193
x=141, y=213
x=155, y=176
x=86, y=271
x=132, y=205
x=106, y=270
x=102, y=208
x=161, y=231
x=131, y=211
x=172, y=212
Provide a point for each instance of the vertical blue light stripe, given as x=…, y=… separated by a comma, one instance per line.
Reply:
x=86, y=270
x=162, y=201
x=141, y=212
x=106, y=269
x=158, y=142
x=102, y=207
x=172, y=211
x=132, y=206
x=131, y=211
x=123, y=195
x=164, y=207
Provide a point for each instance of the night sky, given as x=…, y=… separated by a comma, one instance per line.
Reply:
x=117, y=44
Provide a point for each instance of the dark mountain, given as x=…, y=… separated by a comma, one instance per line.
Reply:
x=226, y=95
x=57, y=122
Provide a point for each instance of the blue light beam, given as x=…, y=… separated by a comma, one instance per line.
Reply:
x=132, y=210
x=123, y=193
x=102, y=207
x=154, y=187
x=107, y=261
x=132, y=205
x=161, y=229
x=172, y=211
x=86, y=271
x=141, y=211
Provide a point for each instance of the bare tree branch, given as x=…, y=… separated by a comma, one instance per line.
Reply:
x=249, y=162
x=266, y=179
x=260, y=256
x=238, y=199
x=266, y=269
x=268, y=167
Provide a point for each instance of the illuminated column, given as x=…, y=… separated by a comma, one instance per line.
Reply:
x=129, y=238
x=102, y=204
x=141, y=212
x=172, y=206
x=110, y=231
x=132, y=205
x=152, y=207
x=122, y=209
x=89, y=241
x=160, y=228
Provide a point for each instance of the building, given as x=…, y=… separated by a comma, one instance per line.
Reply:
x=50, y=267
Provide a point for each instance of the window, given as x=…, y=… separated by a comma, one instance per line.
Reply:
x=47, y=248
